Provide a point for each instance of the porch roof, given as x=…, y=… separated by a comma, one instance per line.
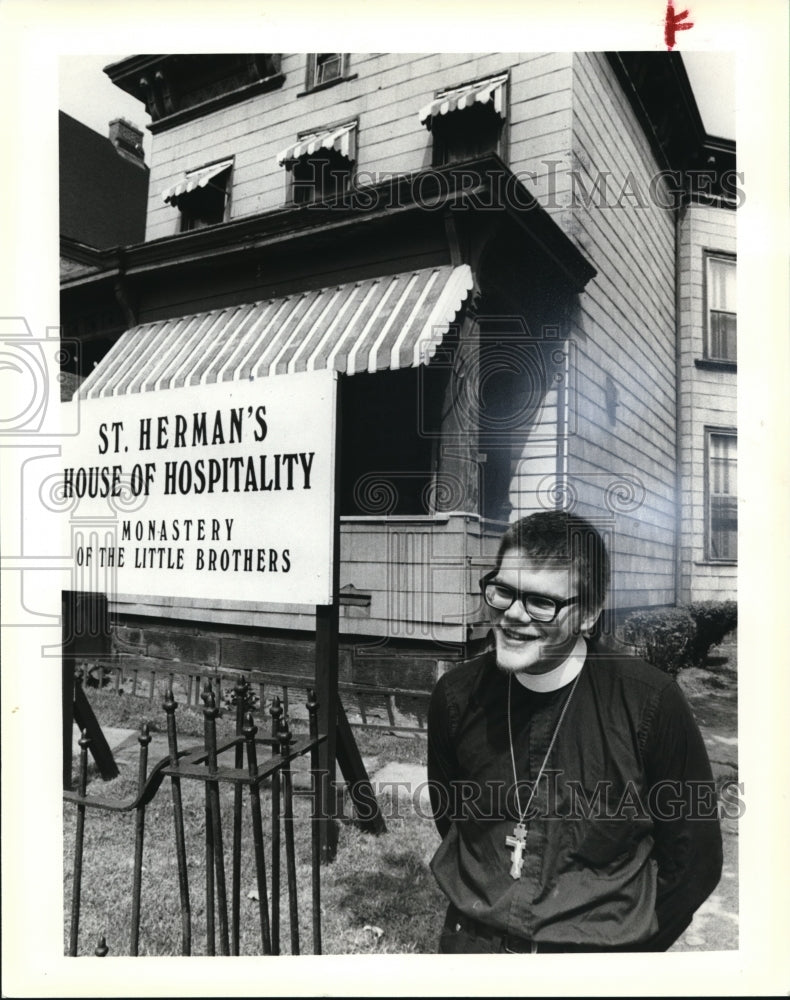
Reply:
x=391, y=322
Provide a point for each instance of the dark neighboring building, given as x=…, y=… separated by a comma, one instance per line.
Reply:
x=103, y=184
x=103, y=202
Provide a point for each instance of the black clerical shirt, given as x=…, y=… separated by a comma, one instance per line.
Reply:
x=623, y=840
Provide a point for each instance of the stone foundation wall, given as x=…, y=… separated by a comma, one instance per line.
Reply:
x=147, y=644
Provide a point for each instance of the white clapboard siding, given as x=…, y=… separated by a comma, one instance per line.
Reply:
x=420, y=573
x=629, y=338
x=707, y=398
x=384, y=97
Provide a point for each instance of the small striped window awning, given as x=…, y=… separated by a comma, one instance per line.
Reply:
x=393, y=322
x=194, y=179
x=490, y=91
x=342, y=140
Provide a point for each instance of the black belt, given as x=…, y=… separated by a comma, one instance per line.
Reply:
x=508, y=942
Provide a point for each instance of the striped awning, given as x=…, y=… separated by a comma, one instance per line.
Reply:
x=194, y=179
x=342, y=140
x=484, y=91
x=397, y=321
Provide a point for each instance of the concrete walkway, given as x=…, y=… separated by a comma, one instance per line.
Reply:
x=116, y=738
x=713, y=695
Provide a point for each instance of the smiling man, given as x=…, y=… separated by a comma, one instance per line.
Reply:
x=570, y=785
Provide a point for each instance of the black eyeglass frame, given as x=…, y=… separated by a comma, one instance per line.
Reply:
x=524, y=596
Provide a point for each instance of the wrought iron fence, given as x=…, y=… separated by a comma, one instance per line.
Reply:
x=209, y=765
x=377, y=707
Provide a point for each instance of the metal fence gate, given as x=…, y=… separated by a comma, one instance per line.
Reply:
x=235, y=763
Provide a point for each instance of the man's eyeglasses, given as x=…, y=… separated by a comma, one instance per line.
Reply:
x=500, y=596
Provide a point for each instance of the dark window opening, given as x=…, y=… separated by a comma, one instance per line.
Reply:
x=465, y=134
x=386, y=463
x=205, y=206
x=320, y=176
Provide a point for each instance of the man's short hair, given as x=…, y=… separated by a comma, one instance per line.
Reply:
x=556, y=537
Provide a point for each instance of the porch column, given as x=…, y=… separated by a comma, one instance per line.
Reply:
x=456, y=456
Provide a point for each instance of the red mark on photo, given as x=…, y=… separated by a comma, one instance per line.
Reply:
x=675, y=22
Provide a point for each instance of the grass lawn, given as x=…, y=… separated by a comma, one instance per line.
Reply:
x=377, y=896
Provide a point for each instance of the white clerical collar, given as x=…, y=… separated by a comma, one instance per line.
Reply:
x=557, y=678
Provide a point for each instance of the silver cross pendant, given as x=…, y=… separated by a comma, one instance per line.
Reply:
x=517, y=843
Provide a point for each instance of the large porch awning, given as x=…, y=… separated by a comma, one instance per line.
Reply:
x=392, y=322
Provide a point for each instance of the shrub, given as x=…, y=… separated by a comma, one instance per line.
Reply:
x=663, y=637
x=714, y=620
x=674, y=638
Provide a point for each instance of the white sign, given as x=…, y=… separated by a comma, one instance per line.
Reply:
x=219, y=491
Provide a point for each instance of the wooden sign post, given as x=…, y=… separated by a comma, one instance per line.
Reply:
x=340, y=745
x=86, y=636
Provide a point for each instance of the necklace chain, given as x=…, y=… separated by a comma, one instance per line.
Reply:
x=523, y=814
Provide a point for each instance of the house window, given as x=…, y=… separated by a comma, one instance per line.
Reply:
x=202, y=196
x=721, y=310
x=467, y=121
x=324, y=68
x=320, y=164
x=464, y=137
x=319, y=177
x=721, y=496
x=206, y=206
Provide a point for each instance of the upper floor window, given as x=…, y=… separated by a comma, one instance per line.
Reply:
x=202, y=196
x=320, y=164
x=721, y=487
x=467, y=121
x=721, y=313
x=319, y=177
x=325, y=67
